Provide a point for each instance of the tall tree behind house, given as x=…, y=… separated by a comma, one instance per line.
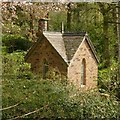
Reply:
x=104, y=9
x=69, y=16
x=32, y=23
x=118, y=35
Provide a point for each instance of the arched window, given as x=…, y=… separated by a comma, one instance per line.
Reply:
x=45, y=68
x=83, y=72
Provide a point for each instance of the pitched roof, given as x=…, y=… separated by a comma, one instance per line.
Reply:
x=65, y=44
x=56, y=40
x=72, y=42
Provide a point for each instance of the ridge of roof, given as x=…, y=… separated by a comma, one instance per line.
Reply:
x=74, y=34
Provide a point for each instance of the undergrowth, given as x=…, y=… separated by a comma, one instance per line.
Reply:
x=26, y=95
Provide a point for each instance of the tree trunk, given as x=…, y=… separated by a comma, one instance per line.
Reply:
x=106, y=52
x=106, y=41
x=32, y=23
x=118, y=36
x=114, y=19
x=69, y=17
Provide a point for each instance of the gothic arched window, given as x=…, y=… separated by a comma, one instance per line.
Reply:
x=83, y=72
x=45, y=68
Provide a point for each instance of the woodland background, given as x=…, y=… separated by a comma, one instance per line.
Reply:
x=26, y=95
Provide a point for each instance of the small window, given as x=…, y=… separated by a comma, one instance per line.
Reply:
x=45, y=68
x=83, y=72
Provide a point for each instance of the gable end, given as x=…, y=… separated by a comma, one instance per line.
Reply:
x=92, y=48
x=40, y=39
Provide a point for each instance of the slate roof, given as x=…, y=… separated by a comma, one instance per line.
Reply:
x=56, y=40
x=72, y=42
x=66, y=44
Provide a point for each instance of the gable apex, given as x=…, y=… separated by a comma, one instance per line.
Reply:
x=72, y=42
x=86, y=37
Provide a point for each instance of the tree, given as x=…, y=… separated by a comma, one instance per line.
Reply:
x=118, y=35
x=25, y=16
x=104, y=8
x=69, y=16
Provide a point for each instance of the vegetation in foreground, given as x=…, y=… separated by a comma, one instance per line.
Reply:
x=28, y=96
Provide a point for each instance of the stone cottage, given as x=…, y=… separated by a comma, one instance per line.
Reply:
x=72, y=54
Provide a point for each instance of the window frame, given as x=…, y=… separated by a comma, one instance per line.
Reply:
x=83, y=73
x=45, y=66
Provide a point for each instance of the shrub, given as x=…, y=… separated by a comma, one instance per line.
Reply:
x=49, y=98
x=53, y=99
x=15, y=42
x=15, y=67
x=108, y=80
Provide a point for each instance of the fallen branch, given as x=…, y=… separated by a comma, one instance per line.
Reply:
x=9, y=107
x=28, y=113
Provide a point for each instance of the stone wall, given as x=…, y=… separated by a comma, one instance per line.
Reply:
x=74, y=69
x=46, y=51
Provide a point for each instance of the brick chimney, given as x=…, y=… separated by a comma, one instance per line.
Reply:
x=43, y=24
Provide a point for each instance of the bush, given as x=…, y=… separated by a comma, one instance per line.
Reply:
x=108, y=81
x=15, y=42
x=49, y=98
x=52, y=99
x=14, y=66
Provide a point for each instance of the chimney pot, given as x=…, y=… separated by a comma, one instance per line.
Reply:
x=43, y=24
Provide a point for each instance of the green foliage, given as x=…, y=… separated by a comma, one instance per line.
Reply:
x=55, y=101
x=14, y=66
x=15, y=42
x=10, y=28
x=56, y=19
x=51, y=98
x=108, y=80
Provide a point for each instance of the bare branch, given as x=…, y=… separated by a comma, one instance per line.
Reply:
x=9, y=107
x=22, y=116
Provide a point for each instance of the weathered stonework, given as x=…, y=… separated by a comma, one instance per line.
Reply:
x=66, y=56
x=74, y=69
x=46, y=51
